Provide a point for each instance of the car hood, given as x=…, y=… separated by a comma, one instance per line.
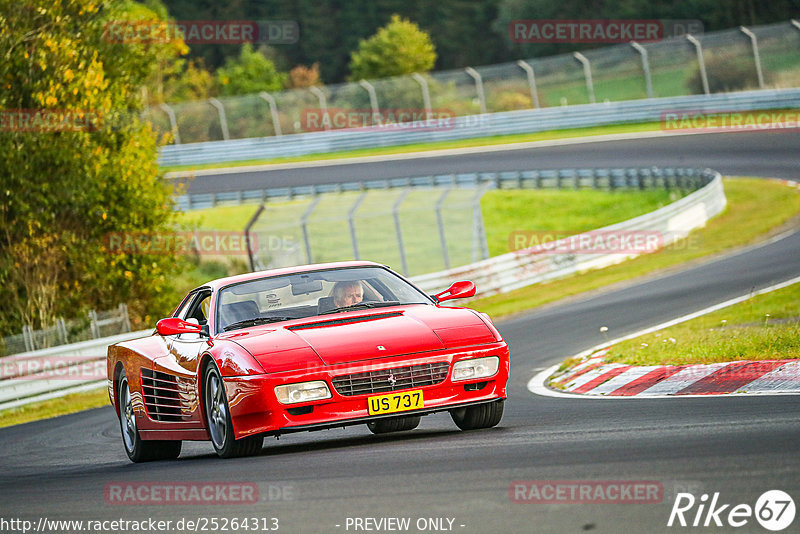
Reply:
x=364, y=335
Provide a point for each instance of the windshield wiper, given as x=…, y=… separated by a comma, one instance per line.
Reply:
x=256, y=321
x=362, y=306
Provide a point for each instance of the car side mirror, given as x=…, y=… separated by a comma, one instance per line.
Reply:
x=172, y=326
x=458, y=290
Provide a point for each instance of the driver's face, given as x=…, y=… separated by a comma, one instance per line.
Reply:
x=351, y=296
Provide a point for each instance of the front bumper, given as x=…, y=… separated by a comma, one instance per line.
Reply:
x=255, y=409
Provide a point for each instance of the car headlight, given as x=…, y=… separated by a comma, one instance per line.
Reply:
x=475, y=368
x=302, y=392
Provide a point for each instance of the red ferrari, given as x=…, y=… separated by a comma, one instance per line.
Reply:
x=305, y=348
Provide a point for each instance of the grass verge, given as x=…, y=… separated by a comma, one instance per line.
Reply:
x=75, y=402
x=755, y=207
x=765, y=327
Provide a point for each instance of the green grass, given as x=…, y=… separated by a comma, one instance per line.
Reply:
x=765, y=327
x=755, y=207
x=76, y=402
x=567, y=211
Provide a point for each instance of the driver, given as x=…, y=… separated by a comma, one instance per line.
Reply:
x=347, y=293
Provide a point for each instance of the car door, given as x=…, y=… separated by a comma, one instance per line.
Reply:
x=182, y=360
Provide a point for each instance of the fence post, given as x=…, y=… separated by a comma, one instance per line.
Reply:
x=756, y=56
x=223, y=120
x=250, y=252
x=373, y=100
x=27, y=337
x=700, y=61
x=323, y=103
x=426, y=95
x=645, y=67
x=126, y=320
x=173, y=123
x=440, y=224
x=351, y=213
x=304, y=226
x=587, y=72
x=94, y=327
x=398, y=230
x=478, y=86
x=531, y=81
x=61, y=327
x=478, y=230
x=273, y=110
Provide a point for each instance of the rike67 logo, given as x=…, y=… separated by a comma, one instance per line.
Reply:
x=774, y=510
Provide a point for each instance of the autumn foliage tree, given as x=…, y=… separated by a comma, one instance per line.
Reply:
x=78, y=163
x=398, y=48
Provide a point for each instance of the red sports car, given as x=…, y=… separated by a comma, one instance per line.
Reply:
x=305, y=348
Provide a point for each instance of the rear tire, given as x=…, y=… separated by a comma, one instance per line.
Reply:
x=394, y=424
x=218, y=419
x=480, y=416
x=138, y=449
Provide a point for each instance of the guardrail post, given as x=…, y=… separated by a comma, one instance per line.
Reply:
x=273, y=110
x=304, y=226
x=478, y=86
x=756, y=56
x=426, y=95
x=323, y=104
x=440, y=224
x=351, y=213
x=223, y=120
x=587, y=72
x=700, y=61
x=398, y=230
x=645, y=67
x=373, y=100
x=531, y=81
x=173, y=123
x=795, y=23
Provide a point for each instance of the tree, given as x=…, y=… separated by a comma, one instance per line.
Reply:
x=77, y=163
x=250, y=73
x=398, y=48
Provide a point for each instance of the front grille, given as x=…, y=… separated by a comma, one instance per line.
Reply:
x=162, y=396
x=387, y=380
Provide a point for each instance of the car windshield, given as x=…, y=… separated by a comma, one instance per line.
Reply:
x=295, y=296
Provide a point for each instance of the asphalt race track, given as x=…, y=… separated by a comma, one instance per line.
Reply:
x=739, y=447
x=770, y=153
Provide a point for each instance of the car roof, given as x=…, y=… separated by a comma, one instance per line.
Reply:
x=221, y=282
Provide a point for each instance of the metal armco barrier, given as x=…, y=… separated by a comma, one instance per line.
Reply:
x=472, y=126
x=533, y=265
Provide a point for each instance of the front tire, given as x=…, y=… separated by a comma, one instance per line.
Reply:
x=137, y=449
x=218, y=419
x=394, y=424
x=480, y=416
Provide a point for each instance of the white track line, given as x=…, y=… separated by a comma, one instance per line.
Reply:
x=536, y=385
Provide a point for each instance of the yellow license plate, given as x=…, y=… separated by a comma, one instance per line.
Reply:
x=395, y=402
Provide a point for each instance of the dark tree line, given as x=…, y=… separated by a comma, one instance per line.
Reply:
x=465, y=32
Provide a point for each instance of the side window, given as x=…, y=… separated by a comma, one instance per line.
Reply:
x=197, y=308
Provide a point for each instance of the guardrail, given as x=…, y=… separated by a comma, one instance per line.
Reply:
x=472, y=126
x=538, y=264
x=50, y=373
x=40, y=375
